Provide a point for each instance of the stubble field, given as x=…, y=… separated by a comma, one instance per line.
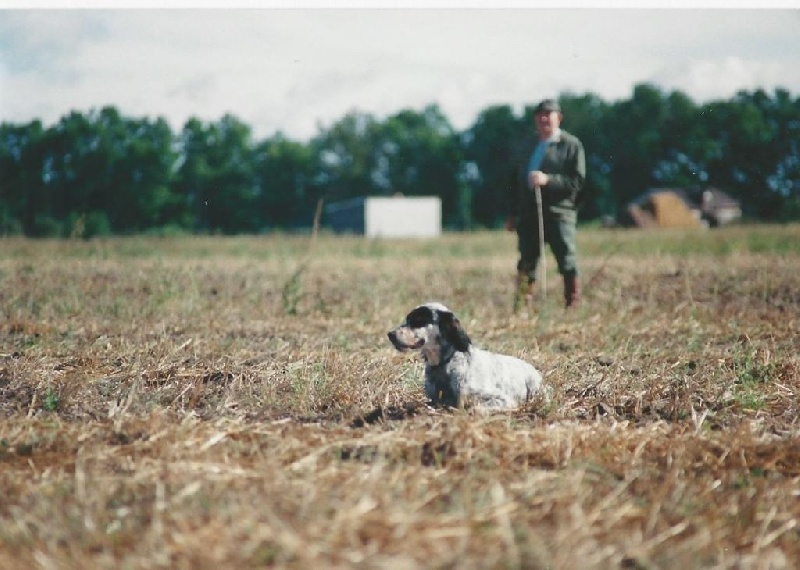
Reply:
x=234, y=403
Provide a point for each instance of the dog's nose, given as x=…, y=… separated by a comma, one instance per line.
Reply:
x=394, y=339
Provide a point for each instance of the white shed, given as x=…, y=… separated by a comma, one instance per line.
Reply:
x=398, y=216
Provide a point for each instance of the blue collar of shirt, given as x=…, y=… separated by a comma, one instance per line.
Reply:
x=555, y=137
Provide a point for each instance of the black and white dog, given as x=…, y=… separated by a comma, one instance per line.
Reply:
x=459, y=374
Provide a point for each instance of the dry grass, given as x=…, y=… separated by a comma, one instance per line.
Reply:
x=202, y=403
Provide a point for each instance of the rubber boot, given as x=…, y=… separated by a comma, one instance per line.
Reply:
x=523, y=295
x=572, y=291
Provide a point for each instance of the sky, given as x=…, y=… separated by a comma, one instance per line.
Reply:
x=297, y=71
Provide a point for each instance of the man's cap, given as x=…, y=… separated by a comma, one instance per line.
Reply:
x=547, y=106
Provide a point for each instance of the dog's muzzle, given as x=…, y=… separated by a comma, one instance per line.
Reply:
x=402, y=346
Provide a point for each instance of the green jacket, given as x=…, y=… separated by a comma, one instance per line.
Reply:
x=565, y=164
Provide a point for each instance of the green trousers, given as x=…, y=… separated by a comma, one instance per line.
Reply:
x=560, y=230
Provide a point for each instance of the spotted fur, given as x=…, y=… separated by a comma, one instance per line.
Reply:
x=459, y=374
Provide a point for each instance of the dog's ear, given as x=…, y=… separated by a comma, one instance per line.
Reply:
x=453, y=332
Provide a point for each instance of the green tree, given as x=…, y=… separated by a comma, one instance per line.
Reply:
x=419, y=154
x=21, y=180
x=135, y=158
x=284, y=170
x=344, y=157
x=775, y=170
x=490, y=145
x=743, y=164
x=64, y=169
x=216, y=175
x=587, y=117
x=635, y=141
x=99, y=172
x=94, y=173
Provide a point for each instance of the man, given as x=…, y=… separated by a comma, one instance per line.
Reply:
x=556, y=166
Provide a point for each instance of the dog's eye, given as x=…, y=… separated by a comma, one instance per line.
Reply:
x=419, y=318
x=417, y=322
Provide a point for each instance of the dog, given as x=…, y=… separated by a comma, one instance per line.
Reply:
x=459, y=374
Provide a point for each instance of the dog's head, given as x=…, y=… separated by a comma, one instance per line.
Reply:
x=432, y=329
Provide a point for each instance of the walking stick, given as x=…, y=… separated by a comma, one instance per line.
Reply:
x=538, y=192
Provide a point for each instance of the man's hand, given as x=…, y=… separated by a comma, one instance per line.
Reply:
x=538, y=178
x=511, y=223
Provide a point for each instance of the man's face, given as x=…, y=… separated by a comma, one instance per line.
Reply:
x=547, y=122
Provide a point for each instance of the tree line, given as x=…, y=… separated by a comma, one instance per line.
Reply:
x=99, y=172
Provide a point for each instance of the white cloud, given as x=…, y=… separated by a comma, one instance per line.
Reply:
x=291, y=70
x=709, y=79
